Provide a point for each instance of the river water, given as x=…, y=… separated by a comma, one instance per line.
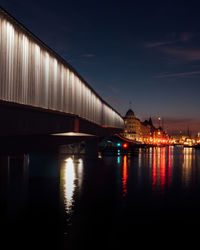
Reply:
x=61, y=201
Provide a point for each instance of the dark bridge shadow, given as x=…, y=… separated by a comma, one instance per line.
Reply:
x=18, y=119
x=26, y=128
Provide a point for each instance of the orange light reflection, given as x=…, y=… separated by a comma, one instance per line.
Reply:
x=125, y=176
x=162, y=169
x=169, y=166
x=154, y=172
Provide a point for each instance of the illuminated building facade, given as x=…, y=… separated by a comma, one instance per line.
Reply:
x=147, y=129
x=143, y=132
x=132, y=126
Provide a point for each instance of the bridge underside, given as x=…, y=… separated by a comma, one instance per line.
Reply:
x=17, y=119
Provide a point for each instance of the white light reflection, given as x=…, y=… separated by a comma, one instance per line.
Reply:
x=80, y=172
x=140, y=158
x=69, y=186
x=72, y=175
x=187, y=166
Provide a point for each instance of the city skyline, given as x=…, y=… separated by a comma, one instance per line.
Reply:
x=130, y=52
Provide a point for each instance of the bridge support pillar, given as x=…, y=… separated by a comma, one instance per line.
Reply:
x=76, y=125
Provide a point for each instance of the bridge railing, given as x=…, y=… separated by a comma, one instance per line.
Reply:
x=33, y=74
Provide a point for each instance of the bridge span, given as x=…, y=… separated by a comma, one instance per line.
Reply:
x=41, y=93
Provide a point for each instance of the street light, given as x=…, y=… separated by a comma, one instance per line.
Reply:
x=159, y=119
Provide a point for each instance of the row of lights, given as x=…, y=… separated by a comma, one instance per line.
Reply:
x=124, y=145
x=162, y=142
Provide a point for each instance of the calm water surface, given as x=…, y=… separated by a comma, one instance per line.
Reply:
x=68, y=201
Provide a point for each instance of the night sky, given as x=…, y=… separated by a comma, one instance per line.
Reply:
x=143, y=52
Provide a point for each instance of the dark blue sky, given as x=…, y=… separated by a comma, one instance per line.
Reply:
x=140, y=51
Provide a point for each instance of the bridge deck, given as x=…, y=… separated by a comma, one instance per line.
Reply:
x=32, y=74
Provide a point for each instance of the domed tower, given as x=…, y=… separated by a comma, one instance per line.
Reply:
x=129, y=113
x=132, y=126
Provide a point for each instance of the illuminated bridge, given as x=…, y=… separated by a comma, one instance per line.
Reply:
x=40, y=93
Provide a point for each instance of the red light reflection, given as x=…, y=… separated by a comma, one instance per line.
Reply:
x=169, y=166
x=125, y=176
x=162, y=169
x=154, y=171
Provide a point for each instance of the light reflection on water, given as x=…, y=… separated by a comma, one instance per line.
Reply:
x=69, y=186
x=147, y=186
x=161, y=164
x=140, y=158
x=125, y=176
x=187, y=166
x=157, y=163
x=162, y=168
x=71, y=180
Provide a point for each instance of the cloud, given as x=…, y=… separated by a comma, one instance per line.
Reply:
x=177, y=38
x=159, y=44
x=186, y=36
x=87, y=55
x=178, y=75
x=185, y=54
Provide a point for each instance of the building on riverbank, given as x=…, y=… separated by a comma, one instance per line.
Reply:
x=144, y=132
x=132, y=126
